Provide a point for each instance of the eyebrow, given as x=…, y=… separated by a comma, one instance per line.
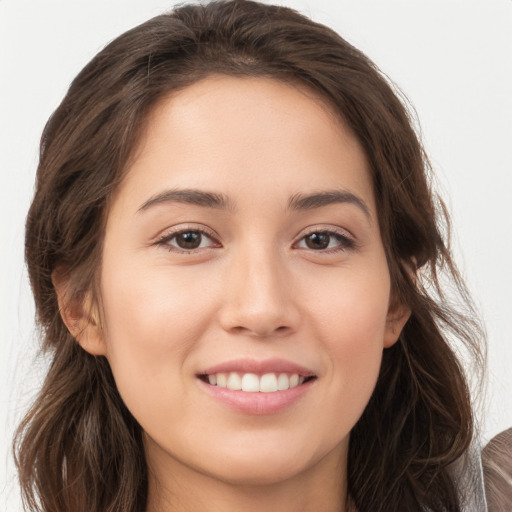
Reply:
x=325, y=198
x=190, y=196
x=221, y=201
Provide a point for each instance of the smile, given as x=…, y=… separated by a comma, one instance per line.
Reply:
x=253, y=383
x=257, y=387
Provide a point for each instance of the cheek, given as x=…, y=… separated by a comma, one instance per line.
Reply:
x=352, y=305
x=351, y=321
x=152, y=321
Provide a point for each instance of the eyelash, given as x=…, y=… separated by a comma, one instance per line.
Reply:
x=346, y=243
x=168, y=237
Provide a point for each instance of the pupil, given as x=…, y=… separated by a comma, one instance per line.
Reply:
x=317, y=241
x=189, y=240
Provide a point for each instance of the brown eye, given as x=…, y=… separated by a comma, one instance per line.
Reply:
x=328, y=241
x=189, y=239
x=317, y=240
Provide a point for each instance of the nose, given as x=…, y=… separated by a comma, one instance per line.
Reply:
x=258, y=297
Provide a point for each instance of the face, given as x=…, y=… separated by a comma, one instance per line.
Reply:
x=243, y=250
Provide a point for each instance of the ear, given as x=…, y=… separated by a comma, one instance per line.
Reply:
x=398, y=315
x=80, y=314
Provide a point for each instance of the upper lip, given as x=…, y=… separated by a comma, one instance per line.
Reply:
x=261, y=367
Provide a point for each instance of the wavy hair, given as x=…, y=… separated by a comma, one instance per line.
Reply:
x=79, y=448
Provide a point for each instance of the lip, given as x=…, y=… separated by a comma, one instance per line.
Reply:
x=274, y=365
x=258, y=403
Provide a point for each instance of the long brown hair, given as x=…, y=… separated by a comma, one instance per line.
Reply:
x=79, y=448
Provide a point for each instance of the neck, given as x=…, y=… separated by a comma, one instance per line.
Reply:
x=321, y=488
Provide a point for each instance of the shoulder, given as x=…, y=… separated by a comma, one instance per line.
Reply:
x=497, y=471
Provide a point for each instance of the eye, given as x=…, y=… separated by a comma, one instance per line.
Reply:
x=188, y=240
x=324, y=240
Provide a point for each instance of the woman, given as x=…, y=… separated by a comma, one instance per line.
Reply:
x=234, y=253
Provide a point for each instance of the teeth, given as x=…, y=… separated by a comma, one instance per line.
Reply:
x=268, y=383
x=283, y=382
x=252, y=383
x=222, y=380
x=234, y=382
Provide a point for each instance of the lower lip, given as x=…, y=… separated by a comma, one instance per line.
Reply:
x=258, y=403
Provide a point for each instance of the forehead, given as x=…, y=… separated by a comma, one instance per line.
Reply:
x=247, y=134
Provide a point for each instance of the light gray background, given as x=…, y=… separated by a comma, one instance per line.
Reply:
x=453, y=59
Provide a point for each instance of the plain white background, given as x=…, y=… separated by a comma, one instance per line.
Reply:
x=452, y=58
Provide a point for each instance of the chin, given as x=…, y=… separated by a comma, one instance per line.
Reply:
x=254, y=473
x=267, y=465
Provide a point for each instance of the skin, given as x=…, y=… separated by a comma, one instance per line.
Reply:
x=253, y=288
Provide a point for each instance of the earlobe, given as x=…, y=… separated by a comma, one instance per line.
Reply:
x=79, y=314
x=399, y=313
x=396, y=320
